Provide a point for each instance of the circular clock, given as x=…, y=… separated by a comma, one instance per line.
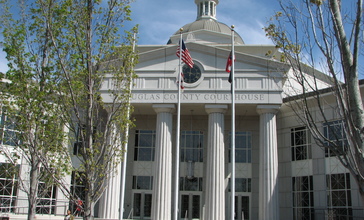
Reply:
x=191, y=75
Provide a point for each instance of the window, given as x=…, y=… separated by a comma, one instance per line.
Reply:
x=144, y=145
x=190, y=184
x=46, y=194
x=191, y=146
x=335, y=133
x=143, y=182
x=8, y=186
x=243, y=147
x=338, y=195
x=211, y=9
x=303, y=200
x=78, y=145
x=241, y=184
x=201, y=8
x=206, y=8
x=301, y=150
x=46, y=202
x=8, y=134
x=77, y=189
x=77, y=148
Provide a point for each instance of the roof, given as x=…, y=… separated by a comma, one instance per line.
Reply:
x=210, y=27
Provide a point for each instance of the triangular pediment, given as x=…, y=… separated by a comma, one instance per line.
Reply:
x=210, y=58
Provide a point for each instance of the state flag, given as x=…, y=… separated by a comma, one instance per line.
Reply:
x=228, y=67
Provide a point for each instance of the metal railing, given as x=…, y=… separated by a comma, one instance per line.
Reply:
x=43, y=207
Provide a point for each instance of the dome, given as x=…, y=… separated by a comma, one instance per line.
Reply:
x=206, y=24
x=214, y=31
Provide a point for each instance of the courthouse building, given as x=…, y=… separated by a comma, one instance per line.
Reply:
x=275, y=173
x=280, y=173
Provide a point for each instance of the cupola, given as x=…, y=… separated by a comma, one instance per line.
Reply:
x=206, y=9
x=206, y=29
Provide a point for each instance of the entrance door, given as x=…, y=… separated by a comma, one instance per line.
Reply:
x=190, y=207
x=242, y=207
x=142, y=207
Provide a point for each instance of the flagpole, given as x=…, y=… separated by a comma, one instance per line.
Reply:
x=232, y=179
x=123, y=172
x=176, y=173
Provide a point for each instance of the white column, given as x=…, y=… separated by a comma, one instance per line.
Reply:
x=109, y=202
x=162, y=172
x=215, y=176
x=268, y=163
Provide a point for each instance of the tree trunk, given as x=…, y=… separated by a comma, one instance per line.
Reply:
x=33, y=190
x=89, y=208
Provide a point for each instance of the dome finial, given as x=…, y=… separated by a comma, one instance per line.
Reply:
x=206, y=8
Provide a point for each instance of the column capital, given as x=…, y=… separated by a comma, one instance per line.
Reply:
x=216, y=109
x=168, y=108
x=261, y=109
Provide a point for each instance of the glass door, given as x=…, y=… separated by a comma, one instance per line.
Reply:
x=190, y=207
x=242, y=207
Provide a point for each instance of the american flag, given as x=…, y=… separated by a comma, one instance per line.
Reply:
x=186, y=57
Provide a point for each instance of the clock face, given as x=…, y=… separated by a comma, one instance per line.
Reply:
x=191, y=75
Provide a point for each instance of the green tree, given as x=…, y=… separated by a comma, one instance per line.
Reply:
x=32, y=129
x=81, y=66
x=327, y=35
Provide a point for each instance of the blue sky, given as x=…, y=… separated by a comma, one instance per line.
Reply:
x=159, y=19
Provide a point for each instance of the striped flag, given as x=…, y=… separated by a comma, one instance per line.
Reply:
x=229, y=64
x=182, y=81
x=186, y=57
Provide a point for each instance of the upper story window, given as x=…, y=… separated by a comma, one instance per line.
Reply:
x=80, y=134
x=8, y=134
x=212, y=11
x=190, y=184
x=243, y=147
x=143, y=182
x=191, y=146
x=206, y=8
x=335, y=134
x=241, y=185
x=300, y=148
x=144, y=145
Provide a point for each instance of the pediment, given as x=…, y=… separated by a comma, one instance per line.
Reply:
x=258, y=79
x=211, y=58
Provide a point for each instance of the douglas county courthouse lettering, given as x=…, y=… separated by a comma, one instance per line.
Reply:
x=198, y=98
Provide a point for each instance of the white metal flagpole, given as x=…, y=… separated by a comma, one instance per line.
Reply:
x=123, y=172
x=232, y=179
x=176, y=173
